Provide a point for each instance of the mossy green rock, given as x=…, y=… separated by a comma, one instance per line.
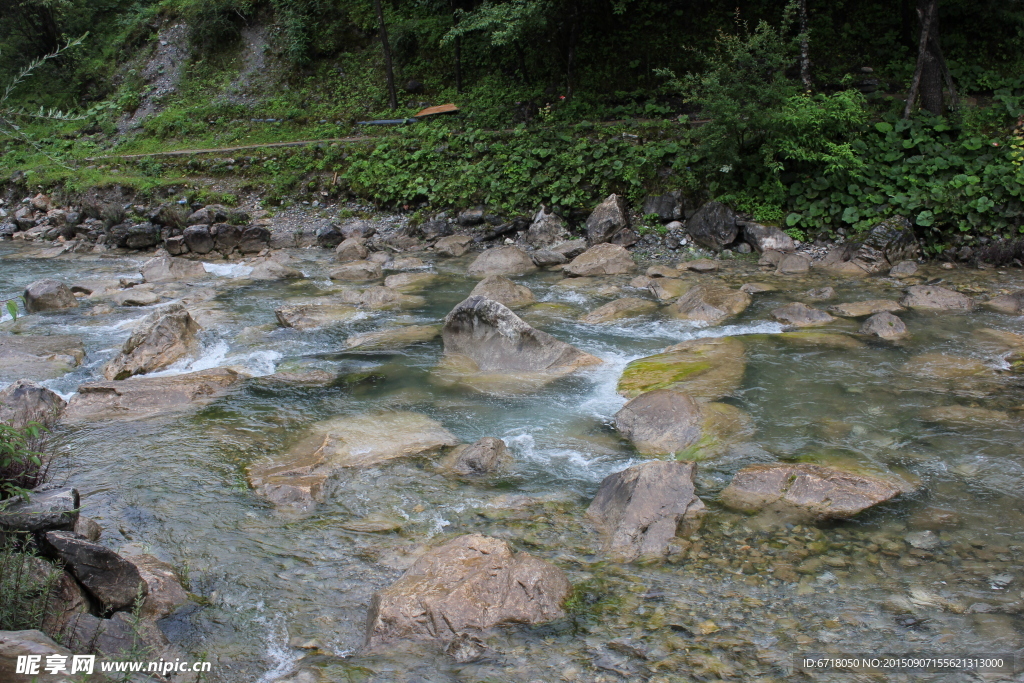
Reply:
x=706, y=369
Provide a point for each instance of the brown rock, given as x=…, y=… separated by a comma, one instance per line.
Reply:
x=884, y=325
x=628, y=307
x=801, y=315
x=602, y=259
x=145, y=396
x=113, y=580
x=643, y=509
x=16, y=644
x=702, y=265
x=662, y=421
x=903, y=269
x=793, y=264
x=859, y=309
x=25, y=401
x=272, y=270
x=487, y=455
x=501, y=261
x=665, y=288
x=352, y=249
x=806, y=491
x=504, y=291
x=409, y=282
x=33, y=356
x=311, y=316
x=358, y=271
x=546, y=230
x=933, y=298
x=1011, y=304
x=167, y=269
x=662, y=270
x=164, y=593
x=468, y=585
x=820, y=293
x=161, y=338
x=496, y=339
x=453, y=245
x=771, y=258
x=395, y=338
x=609, y=218
x=709, y=303
x=48, y=295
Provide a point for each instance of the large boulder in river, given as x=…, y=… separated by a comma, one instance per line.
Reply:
x=609, y=218
x=352, y=249
x=934, y=298
x=501, y=261
x=546, y=230
x=25, y=401
x=161, y=338
x=803, y=491
x=888, y=243
x=504, y=291
x=642, y=510
x=602, y=259
x=168, y=269
x=766, y=237
x=713, y=226
x=464, y=587
x=884, y=325
x=113, y=580
x=706, y=369
x=664, y=422
x=497, y=340
x=48, y=295
x=141, y=397
x=312, y=315
x=36, y=356
x=297, y=478
x=710, y=303
x=801, y=315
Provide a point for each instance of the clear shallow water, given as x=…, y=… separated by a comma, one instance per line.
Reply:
x=175, y=486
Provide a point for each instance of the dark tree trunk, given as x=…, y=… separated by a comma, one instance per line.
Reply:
x=570, y=59
x=388, y=69
x=931, y=71
x=805, y=53
x=926, y=64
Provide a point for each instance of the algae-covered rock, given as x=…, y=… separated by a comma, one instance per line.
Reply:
x=706, y=369
x=395, y=338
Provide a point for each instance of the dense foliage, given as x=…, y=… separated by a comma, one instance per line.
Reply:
x=563, y=102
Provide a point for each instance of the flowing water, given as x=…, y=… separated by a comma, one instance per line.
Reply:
x=746, y=599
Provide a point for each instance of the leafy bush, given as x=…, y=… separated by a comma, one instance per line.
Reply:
x=23, y=460
x=26, y=588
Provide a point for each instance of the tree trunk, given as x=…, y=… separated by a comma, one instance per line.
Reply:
x=458, y=49
x=931, y=73
x=927, y=11
x=570, y=61
x=388, y=69
x=805, y=57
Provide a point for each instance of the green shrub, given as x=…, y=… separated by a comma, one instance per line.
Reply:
x=23, y=465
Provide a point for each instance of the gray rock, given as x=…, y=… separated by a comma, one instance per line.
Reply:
x=48, y=295
x=601, y=259
x=544, y=258
x=743, y=248
x=212, y=213
x=225, y=237
x=570, y=249
x=176, y=246
x=860, y=309
x=474, y=583
x=934, y=298
x=668, y=207
x=884, y=325
x=36, y=356
x=110, y=578
x=903, y=269
x=820, y=293
x=626, y=307
x=710, y=303
x=168, y=269
x=25, y=401
x=433, y=230
x=253, y=240
x=356, y=228
x=328, y=236
x=547, y=229
x=198, y=239
x=160, y=338
x=610, y=217
x=52, y=510
x=486, y=456
x=766, y=237
x=713, y=226
x=471, y=217
x=771, y=258
x=661, y=422
x=272, y=270
x=501, y=261
x=891, y=241
x=88, y=528
x=311, y=316
x=504, y=291
x=164, y=593
x=141, y=236
x=642, y=510
x=497, y=340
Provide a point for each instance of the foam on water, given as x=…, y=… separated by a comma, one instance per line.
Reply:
x=280, y=655
x=218, y=355
x=227, y=269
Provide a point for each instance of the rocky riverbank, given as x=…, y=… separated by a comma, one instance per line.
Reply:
x=384, y=391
